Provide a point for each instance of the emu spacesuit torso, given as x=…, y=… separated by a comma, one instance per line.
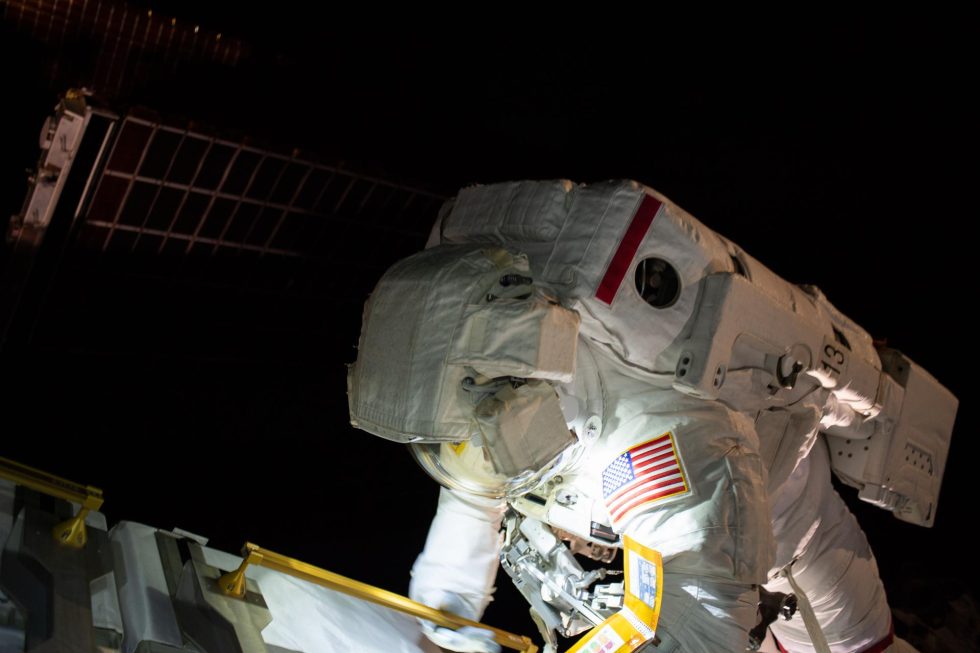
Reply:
x=595, y=359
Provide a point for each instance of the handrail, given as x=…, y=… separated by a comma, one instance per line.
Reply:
x=70, y=532
x=233, y=584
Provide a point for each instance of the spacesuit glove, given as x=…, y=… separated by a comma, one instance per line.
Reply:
x=467, y=639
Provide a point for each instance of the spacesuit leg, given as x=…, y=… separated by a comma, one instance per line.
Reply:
x=820, y=543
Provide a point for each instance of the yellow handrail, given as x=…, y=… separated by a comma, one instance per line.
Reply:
x=72, y=531
x=233, y=584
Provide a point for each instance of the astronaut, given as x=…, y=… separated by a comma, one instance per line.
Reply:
x=589, y=369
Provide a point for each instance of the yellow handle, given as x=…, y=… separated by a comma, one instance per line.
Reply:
x=72, y=531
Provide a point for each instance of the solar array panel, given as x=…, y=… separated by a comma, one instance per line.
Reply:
x=120, y=44
x=181, y=238
x=180, y=193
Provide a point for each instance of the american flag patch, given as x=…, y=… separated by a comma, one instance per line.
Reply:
x=646, y=473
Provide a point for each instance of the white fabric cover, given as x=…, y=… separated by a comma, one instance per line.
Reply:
x=313, y=619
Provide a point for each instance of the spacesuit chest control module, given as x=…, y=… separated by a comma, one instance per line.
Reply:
x=589, y=369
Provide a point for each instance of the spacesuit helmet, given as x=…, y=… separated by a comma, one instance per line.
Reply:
x=461, y=356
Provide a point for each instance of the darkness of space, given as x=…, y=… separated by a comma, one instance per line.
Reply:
x=838, y=150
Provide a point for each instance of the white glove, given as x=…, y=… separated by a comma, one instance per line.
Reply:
x=468, y=639
x=465, y=640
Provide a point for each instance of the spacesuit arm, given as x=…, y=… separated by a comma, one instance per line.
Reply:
x=458, y=565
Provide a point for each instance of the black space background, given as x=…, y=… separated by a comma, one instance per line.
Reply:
x=839, y=150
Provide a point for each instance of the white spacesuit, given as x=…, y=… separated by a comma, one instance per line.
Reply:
x=594, y=360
